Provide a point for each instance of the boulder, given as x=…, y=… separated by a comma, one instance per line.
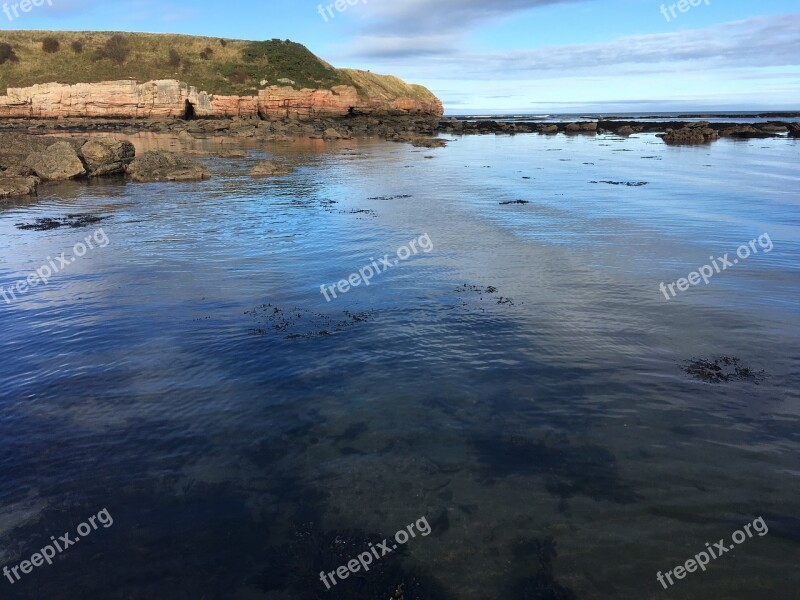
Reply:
x=332, y=134
x=548, y=129
x=16, y=147
x=104, y=156
x=160, y=165
x=57, y=163
x=625, y=131
x=14, y=185
x=794, y=130
x=270, y=168
x=693, y=133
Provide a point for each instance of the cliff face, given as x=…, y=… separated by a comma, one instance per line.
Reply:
x=169, y=98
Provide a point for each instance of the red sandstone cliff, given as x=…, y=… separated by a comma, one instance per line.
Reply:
x=168, y=98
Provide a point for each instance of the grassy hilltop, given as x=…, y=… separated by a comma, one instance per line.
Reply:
x=217, y=66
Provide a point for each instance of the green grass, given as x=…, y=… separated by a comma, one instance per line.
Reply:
x=237, y=67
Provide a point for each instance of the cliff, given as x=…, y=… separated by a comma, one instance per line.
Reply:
x=97, y=74
x=169, y=98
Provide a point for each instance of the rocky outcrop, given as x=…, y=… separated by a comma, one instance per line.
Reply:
x=693, y=133
x=160, y=165
x=590, y=127
x=169, y=98
x=748, y=131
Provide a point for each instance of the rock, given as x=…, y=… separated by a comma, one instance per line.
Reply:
x=694, y=133
x=18, y=171
x=160, y=165
x=12, y=185
x=332, y=134
x=794, y=130
x=104, y=156
x=419, y=141
x=625, y=131
x=59, y=162
x=549, y=129
x=773, y=128
x=589, y=127
x=270, y=168
x=16, y=147
x=744, y=132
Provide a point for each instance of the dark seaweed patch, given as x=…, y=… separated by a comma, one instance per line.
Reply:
x=74, y=221
x=398, y=197
x=626, y=183
x=489, y=291
x=724, y=369
x=298, y=323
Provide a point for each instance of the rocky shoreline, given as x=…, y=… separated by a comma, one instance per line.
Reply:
x=397, y=127
x=32, y=151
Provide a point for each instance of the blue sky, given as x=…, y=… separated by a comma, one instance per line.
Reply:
x=513, y=55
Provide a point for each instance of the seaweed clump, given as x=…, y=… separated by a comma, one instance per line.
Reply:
x=721, y=370
x=74, y=221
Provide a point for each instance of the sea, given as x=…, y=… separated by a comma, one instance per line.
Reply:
x=236, y=388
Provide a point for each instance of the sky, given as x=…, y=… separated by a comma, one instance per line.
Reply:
x=518, y=56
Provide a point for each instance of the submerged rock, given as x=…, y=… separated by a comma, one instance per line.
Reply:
x=160, y=165
x=270, y=168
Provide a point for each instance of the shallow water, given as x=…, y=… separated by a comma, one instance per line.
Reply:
x=191, y=378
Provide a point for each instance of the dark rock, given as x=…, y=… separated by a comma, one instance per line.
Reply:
x=13, y=185
x=160, y=165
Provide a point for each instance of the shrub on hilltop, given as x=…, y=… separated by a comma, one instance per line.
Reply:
x=50, y=45
x=7, y=54
x=116, y=49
